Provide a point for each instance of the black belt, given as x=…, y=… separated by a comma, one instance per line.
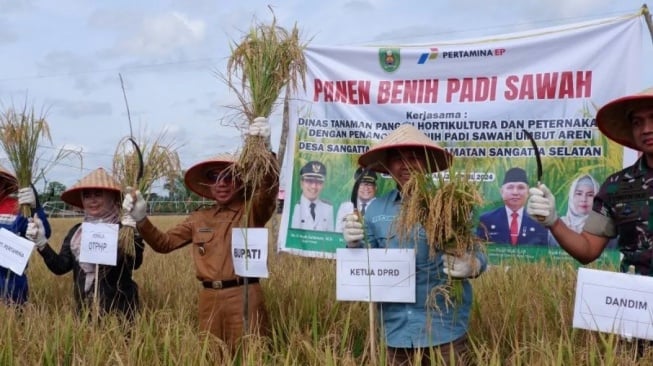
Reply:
x=217, y=285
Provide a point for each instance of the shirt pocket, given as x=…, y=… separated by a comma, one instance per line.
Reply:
x=627, y=217
x=202, y=239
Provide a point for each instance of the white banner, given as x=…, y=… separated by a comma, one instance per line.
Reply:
x=14, y=251
x=377, y=275
x=473, y=97
x=612, y=302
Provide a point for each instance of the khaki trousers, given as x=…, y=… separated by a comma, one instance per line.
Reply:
x=221, y=312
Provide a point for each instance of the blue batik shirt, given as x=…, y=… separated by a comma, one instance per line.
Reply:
x=419, y=324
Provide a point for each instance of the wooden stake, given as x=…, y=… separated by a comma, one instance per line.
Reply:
x=370, y=308
x=96, y=297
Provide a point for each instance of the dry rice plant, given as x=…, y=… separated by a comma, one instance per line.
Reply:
x=21, y=130
x=266, y=60
x=159, y=160
x=449, y=224
x=444, y=206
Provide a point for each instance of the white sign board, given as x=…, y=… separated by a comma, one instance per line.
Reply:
x=612, y=302
x=377, y=275
x=14, y=251
x=250, y=252
x=99, y=243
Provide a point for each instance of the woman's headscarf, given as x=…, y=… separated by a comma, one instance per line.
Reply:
x=574, y=219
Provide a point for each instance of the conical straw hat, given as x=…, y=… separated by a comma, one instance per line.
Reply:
x=613, y=119
x=97, y=179
x=406, y=136
x=8, y=181
x=197, y=177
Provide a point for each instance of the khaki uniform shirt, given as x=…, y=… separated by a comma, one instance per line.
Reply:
x=210, y=228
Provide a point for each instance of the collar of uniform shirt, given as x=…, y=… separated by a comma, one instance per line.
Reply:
x=233, y=207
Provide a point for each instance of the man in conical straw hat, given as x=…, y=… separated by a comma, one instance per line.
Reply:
x=14, y=289
x=443, y=327
x=98, y=194
x=622, y=205
x=208, y=231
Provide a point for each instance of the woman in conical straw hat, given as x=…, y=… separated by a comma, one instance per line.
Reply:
x=208, y=231
x=98, y=194
x=621, y=208
x=423, y=325
x=14, y=288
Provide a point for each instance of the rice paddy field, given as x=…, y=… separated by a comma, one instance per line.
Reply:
x=521, y=316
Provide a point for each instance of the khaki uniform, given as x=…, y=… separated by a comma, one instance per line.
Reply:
x=208, y=230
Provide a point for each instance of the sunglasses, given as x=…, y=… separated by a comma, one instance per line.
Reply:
x=215, y=177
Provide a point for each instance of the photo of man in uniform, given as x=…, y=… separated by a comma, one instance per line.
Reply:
x=312, y=212
x=366, y=194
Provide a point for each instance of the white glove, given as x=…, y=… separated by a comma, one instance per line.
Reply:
x=259, y=127
x=128, y=220
x=26, y=197
x=541, y=205
x=465, y=266
x=136, y=207
x=36, y=232
x=352, y=230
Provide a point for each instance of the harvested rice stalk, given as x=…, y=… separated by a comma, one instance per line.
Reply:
x=414, y=204
x=160, y=160
x=444, y=208
x=21, y=131
x=266, y=60
x=449, y=224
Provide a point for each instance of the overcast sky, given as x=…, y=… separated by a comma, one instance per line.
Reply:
x=65, y=57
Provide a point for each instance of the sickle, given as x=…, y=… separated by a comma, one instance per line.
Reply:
x=538, y=159
x=139, y=176
x=141, y=167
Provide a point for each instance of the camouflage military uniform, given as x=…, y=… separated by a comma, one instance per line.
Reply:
x=621, y=208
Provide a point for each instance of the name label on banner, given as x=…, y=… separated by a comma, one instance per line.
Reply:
x=386, y=275
x=99, y=243
x=14, y=251
x=250, y=252
x=613, y=302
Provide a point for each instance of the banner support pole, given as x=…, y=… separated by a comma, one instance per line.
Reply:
x=647, y=17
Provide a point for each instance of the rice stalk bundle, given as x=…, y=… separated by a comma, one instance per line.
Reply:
x=160, y=161
x=443, y=205
x=414, y=205
x=21, y=131
x=267, y=59
x=449, y=224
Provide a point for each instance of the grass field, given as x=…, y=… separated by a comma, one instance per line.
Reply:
x=521, y=316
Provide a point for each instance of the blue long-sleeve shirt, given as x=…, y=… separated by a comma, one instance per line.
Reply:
x=420, y=324
x=14, y=288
